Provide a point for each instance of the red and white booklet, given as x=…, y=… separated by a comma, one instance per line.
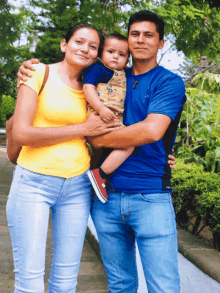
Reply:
x=98, y=184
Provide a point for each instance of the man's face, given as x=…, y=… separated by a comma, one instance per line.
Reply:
x=143, y=41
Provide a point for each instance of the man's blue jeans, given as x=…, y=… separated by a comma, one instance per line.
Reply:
x=31, y=197
x=150, y=220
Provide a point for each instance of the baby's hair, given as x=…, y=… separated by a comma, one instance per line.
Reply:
x=117, y=36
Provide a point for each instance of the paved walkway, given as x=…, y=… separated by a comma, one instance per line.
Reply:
x=91, y=277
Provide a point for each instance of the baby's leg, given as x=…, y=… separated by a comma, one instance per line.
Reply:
x=115, y=159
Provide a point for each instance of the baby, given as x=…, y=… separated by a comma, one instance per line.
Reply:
x=104, y=84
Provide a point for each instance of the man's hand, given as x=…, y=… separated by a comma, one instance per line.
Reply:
x=171, y=162
x=23, y=70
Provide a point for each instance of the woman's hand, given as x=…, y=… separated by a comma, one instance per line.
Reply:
x=22, y=70
x=171, y=161
x=95, y=126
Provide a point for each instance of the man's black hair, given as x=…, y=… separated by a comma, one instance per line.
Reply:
x=147, y=15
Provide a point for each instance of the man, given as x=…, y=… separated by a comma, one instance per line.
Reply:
x=139, y=205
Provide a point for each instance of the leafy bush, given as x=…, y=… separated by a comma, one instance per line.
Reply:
x=207, y=81
x=196, y=193
x=198, y=137
x=7, y=107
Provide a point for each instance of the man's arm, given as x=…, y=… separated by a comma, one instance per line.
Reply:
x=148, y=131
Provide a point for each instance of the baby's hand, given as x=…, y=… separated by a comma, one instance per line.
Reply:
x=106, y=114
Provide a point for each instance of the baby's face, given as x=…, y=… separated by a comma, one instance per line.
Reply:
x=115, y=53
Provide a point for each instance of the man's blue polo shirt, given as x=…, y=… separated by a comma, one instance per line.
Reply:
x=162, y=92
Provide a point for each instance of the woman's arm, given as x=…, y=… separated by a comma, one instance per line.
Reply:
x=13, y=149
x=24, y=133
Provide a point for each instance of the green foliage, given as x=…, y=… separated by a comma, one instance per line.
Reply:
x=48, y=47
x=12, y=26
x=1, y=120
x=6, y=109
x=44, y=23
x=200, y=38
x=55, y=17
x=196, y=194
x=209, y=208
x=189, y=182
x=89, y=147
x=207, y=81
x=198, y=137
x=194, y=24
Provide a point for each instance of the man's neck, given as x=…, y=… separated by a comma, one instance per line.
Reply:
x=143, y=66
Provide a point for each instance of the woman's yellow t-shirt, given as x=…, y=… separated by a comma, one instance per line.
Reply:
x=57, y=105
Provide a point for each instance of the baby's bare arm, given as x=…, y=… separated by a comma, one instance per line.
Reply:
x=93, y=99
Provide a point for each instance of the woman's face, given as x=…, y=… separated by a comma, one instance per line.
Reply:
x=82, y=48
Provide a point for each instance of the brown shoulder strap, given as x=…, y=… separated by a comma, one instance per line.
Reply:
x=46, y=74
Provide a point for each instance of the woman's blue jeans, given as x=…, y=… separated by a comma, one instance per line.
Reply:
x=150, y=220
x=31, y=197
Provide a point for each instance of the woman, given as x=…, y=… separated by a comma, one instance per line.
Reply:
x=52, y=167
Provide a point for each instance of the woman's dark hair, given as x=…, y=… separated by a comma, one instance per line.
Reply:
x=147, y=15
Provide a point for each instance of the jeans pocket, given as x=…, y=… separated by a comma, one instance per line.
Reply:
x=156, y=197
x=31, y=182
x=16, y=178
x=30, y=176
